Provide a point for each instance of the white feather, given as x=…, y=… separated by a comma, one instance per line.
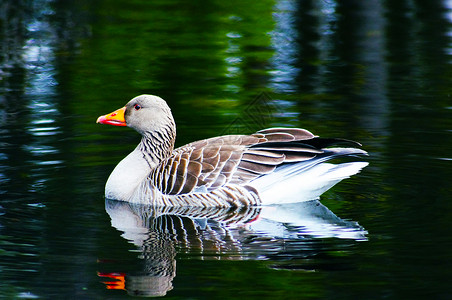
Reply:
x=302, y=181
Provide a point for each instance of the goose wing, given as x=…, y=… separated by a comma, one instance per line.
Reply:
x=235, y=159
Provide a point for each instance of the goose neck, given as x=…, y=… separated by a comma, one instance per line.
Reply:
x=156, y=146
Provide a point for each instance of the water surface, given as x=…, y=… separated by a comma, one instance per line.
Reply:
x=376, y=72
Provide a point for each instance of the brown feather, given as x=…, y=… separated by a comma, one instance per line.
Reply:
x=189, y=184
x=226, y=140
x=178, y=185
x=196, y=154
x=298, y=133
x=229, y=166
x=165, y=174
x=231, y=148
x=256, y=168
x=159, y=180
x=207, y=168
x=210, y=151
x=262, y=159
x=225, y=155
x=180, y=176
x=220, y=180
x=242, y=175
x=212, y=177
x=258, y=135
x=194, y=168
x=213, y=161
x=236, y=156
x=227, y=174
x=185, y=155
x=247, y=140
x=265, y=153
x=296, y=157
x=283, y=148
x=198, y=144
x=171, y=177
x=279, y=137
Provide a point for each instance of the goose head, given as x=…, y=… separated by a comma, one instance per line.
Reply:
x=147, y=114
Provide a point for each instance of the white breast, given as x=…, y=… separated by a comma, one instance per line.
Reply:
x=126, y=176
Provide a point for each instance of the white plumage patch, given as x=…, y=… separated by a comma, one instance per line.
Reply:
x=302, y=181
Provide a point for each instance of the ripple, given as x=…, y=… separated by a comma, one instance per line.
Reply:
x=49, y=162
x=45, y=133
x=233, y=35
x=40, y=131
x=43, y=129
x=42, y=121
x=27, y=295
x=37, y=205
x=444, y=158
x=40, y=150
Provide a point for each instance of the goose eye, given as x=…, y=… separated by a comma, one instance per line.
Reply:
x=137, y=106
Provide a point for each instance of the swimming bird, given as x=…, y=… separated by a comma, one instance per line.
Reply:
x=271, y=166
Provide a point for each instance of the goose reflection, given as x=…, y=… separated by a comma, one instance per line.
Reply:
x=215, y=233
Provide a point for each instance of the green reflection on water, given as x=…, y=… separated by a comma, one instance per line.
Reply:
x=376, y=72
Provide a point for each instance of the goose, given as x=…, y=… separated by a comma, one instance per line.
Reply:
x=271, y=166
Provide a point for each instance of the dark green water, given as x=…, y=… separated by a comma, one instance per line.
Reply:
x=378, y=72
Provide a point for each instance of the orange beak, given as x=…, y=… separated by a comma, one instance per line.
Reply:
x=115, y=118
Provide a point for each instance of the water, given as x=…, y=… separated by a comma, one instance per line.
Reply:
x=371, y=71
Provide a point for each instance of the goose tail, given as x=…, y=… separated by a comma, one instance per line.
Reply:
x=304, y=181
